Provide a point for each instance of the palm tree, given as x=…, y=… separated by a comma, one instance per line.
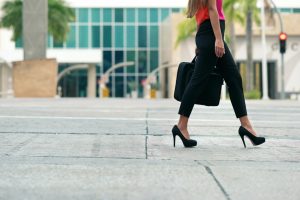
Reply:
x=252, y=14
x=59, y=16
x=185, y=29
x=12, y=17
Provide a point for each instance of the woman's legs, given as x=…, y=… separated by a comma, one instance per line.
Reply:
x=205, y=62
x=233, y=80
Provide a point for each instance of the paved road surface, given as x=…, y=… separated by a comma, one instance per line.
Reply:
x=122, y=149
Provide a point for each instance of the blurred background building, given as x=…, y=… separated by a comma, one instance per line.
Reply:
x=109, y=32
x=105, y=33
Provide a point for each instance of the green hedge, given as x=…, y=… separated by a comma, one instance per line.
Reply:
x=253, y=94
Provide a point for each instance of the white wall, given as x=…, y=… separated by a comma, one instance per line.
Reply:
x=62, y=55
x=292, y=61
x=287, y=3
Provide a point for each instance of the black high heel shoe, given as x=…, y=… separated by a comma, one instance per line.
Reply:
x=254, y=139
x=186, y=142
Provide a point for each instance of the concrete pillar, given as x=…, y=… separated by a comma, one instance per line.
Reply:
x=91, y=81
x=35, y=28
x=163, y=83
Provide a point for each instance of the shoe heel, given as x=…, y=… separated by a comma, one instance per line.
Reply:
x=242, y=137
x=174, y=137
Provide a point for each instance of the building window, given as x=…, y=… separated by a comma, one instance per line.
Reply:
x=130, y=15
x=107, y=36
x=119, y=39
x=96, y=15
x=142, y=36
x=131, y=58
x=154, y=36
x=83, y=15
x=71, y=41
x=130, y=36
x=153, y=15
x=285, y=10
x=142, y=13
x=95, y=36
x=119, y=58
x=107, y=15
x=107, y=60
x=83, y=36
x=142, y=64
x=119, y=85
x=296, y=10
x=118, y=15
x=153, y=60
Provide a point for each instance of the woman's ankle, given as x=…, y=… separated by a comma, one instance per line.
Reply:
x=245, y=122
x=182, y=126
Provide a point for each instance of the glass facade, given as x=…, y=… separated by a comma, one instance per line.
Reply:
x=289, y=10
x=123, y=34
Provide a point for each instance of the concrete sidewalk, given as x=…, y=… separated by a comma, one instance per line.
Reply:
x=123, y=149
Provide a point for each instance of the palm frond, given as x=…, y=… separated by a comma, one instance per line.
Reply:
x=59, y=17
x=185, y=29
x=12, y=19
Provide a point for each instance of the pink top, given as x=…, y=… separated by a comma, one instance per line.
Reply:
x=203, y=14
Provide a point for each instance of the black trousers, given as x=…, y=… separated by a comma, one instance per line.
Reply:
x=206, y=60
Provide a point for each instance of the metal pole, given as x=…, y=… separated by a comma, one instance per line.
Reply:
x=264, y=52
x=279, y=15
x=282, y=77
x=282, y=94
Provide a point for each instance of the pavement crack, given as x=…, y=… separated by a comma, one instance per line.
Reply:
x=210, y=172
x=147, y=133
x=146, y=147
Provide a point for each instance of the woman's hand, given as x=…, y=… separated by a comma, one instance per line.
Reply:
x=219, y=48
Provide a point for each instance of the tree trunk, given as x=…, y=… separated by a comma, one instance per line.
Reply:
x=249, y=51
x=35, y=29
